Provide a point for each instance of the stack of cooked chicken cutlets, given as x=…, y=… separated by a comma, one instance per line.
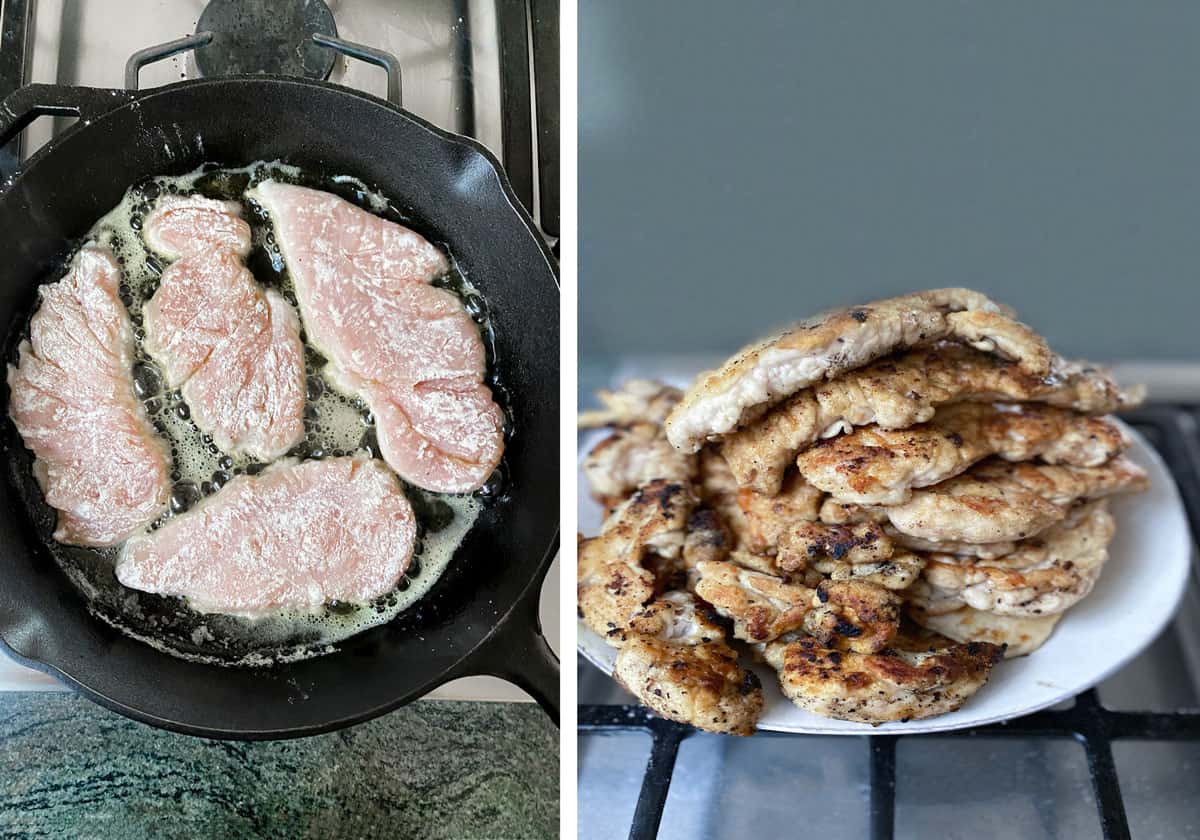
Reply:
x=879, y=503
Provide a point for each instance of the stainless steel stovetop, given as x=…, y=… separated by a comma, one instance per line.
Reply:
x=440, y=43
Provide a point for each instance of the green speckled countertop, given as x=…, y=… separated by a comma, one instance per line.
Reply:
x=434, y=769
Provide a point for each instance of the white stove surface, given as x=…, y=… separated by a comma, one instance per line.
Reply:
x=86, y=42
x=438, y=43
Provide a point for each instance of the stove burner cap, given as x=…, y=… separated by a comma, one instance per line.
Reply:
x=266, y=36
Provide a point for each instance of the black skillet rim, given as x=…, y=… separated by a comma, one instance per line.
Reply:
x=469, y=662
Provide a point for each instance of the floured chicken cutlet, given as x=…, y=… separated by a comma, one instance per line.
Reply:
x=761, y=606
x=853, y=615
x=857, y=552
x=767, y=518
x=637, y=451
x=897, y=572
x=997, y=501
x=877, y=466
x=99, y=463
x=904, y=390
x=828, y=345
x=837, y=514
x=630, y=457
x=675, y=661
x=614, y=580
x=233, y=347
x=1046, y=575
x=719, y=490
x=858, y=543
x=297, y=536
x=635, y=401
x=920, y=675
x=863, y=480
x=671, y=654
x=1019, y=636
x=408, y=348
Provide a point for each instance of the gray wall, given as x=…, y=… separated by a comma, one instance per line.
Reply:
x=745, y=164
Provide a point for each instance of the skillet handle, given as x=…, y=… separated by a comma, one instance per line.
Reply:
x=519, y=653
x=26, y=104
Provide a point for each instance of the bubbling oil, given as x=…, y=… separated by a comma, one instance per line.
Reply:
x=335, y=424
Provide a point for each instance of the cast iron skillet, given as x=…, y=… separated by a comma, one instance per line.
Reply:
x=481, y=617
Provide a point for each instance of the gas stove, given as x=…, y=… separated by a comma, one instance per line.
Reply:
x=487, y=70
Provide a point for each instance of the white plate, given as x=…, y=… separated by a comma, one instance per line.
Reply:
x=1136, y=597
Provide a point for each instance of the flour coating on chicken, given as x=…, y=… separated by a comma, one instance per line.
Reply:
x=98, y=461
x=918, y=676
x=828, y=345
x=233, y=346
x=889, y=499
x=998, y=501
x=900, y=391
x=878, y=466
x=673, y=657
x=1045, y=576
x=296, y=537
x=408, y=348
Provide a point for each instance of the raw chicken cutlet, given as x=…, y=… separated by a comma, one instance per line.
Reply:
x=99, y=463
x=296, y=536
x=408, y=348
x=233, y=347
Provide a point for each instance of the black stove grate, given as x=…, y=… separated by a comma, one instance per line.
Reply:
x=1174, y=430
x=15, y=19
x=529, y=91
x=527, y=31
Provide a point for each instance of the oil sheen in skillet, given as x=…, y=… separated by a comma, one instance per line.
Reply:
x=334, y=425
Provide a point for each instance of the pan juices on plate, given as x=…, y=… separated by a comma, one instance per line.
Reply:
x=880, y=503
